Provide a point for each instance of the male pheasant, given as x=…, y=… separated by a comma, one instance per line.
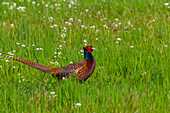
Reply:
x=82, y=69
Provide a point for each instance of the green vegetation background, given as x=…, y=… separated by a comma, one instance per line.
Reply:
x=131, y=38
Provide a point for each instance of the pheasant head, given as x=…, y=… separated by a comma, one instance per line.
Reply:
x=87, y=52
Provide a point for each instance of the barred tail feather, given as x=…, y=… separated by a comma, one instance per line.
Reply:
x=32, y=64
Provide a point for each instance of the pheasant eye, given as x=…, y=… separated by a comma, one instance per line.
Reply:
x=89, y=47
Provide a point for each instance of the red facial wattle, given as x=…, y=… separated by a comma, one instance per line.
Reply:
x=89, y=49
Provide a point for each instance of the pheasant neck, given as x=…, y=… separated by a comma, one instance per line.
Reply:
x=87, y=55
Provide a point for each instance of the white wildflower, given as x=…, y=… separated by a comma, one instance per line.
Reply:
x=78, y=104
x=3, y=3
x=14, y=4
x=52, y=6
x=128, y=23
x=69, y=5
x=33, y=2
x=22, y=9
x=51, y=26
x=52, y=93
x=50, y=19
x=118, y=38
x=116, y=25
x=59, y=53
x=105, y=26
x=82, y=25
x=166, y=4
x=55, y=25
x=60, y=46
x=85, y=41
x=79, y=20
x=56, y=63
x=11, y=54
x=52, y=62
x=12, y=25
x=63, y=78
x=92, y=26
x=71, y=62
x=131, y=46
x=6, y=60
x=63, y=35
x=58, y=8
x=116, y=19
x=37, y=48
x=11, y=7
x=71, y=19
x=23, y=45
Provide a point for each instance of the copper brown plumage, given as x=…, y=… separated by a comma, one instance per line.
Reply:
x=82, y=69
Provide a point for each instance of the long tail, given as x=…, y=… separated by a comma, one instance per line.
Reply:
x=30, y=63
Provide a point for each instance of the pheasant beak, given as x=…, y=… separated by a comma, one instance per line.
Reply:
x=93, y=48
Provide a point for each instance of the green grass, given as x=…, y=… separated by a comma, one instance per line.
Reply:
x=131, y=74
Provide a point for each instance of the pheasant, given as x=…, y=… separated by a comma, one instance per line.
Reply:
x=82, y=69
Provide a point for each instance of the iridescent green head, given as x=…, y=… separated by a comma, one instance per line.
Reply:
x=87, y=52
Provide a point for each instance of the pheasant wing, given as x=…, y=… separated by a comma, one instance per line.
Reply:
x=86, y=70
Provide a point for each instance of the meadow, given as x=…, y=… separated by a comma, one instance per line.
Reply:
x=131, y=38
